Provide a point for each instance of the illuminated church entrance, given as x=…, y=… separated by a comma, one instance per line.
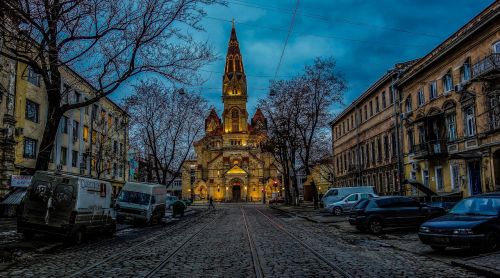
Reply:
x=236, y=190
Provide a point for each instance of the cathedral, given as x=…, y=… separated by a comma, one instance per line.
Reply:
x=230, y=165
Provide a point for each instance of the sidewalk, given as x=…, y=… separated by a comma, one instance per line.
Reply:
x=307, y=211
x=487, y=264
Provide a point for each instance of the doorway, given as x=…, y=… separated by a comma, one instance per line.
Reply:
x=236, y=193
x=474, y=169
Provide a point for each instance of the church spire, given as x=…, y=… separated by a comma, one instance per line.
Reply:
x=234, y=61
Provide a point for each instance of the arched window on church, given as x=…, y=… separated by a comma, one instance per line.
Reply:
x=237, y=63
x=235, y=120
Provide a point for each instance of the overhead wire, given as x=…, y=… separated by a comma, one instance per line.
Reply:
x=290, y=28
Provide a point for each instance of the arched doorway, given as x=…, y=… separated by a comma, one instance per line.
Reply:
x=236, y=190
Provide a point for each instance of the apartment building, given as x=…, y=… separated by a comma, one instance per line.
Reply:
x=365, y=138
x=451, y=111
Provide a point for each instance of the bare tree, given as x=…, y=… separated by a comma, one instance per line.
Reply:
x=109, y=42
x=165, y=123
x=299, y=111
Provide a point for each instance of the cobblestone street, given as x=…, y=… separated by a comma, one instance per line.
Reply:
x=237, y=241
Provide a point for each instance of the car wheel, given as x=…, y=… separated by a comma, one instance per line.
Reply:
x=375, y=226
x=492, y=241
x=337, y=211
x=438, y=248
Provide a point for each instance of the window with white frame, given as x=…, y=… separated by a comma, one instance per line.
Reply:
x=30, y=146
x=496, y=47
x=425, y=177
x=447, y=82
x=408, y=104
x=33, y=77
x=470, y=123
x=455, y=177
x=433, y=89
x=494, y=111
x=421, y=97
x=439, y=179
x=32, y=111
x=465, y=71
x=451, y=125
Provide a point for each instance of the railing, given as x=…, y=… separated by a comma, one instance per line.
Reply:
x=429, y=148
x=488, y=64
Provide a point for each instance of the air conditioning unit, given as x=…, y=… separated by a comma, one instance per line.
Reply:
x=19, y=131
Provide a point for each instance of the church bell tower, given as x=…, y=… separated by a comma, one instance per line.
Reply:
x=234, y=89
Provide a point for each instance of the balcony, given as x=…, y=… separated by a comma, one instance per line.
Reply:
x=487, y=66
x=430, y=149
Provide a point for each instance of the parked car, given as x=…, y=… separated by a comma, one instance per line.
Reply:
x=376, y=214
x=472, y=223
x=66, y=205
x=170, y=201
x=141, y=202
x=336, y=194
x=347, y=203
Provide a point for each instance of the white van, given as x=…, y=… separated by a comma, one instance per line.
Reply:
x=141, y=202
x=66, y=205
x=336, y=194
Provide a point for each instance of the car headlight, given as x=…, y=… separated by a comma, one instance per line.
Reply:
x=463, y=232
x=425, y=230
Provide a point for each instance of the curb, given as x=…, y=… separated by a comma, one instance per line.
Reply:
x=477, y=269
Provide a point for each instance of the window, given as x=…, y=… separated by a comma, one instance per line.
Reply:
x=465, y=72
x=393, y=143
x=371, y=108
x=411, y=140
x=470, y=125
x=496, y=47
x=451, y=127
x=421, y=97
x=343, y=127
x=494, y=103
x=391, y=95
x=377, y=106
x=425, y=177
x=64, y=124
x=455, y=177
x=121, y=148
x=366, y=113
x=352, y=198
x=74, y=158
x=77, y=97
x=33, y=77
x=235, y=119
x=373, y=152
x=433, y=90
x=94, y=136
x=384, y=104
x=64, y=155
x=379, y=150
x=447, y=82
x=95, y=108
x=29, y=148
x=86, y=107
x=75, y=130
x=386, y=147
x=348, y=125
x=408, y=104
x=32, y=111
x=85, y=133
x=439, y=179
x=115, y=147
x=421, y=135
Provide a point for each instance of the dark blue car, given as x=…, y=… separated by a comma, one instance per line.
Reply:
x=474, y=223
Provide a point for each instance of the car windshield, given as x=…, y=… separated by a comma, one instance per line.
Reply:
x=134, y=197
x=477, y=206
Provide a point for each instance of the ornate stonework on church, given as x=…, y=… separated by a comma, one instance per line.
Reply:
x=229, y=164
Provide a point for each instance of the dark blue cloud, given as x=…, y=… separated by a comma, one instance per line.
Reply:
x=365, y=37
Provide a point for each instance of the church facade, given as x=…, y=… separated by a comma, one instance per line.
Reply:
x=230, y=164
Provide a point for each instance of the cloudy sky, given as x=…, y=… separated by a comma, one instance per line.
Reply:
x=365, y=37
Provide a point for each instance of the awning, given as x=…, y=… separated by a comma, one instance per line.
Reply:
x=427, y=191
x=466, y=155
x=15, y=197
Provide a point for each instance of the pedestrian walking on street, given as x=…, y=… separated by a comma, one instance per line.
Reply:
x=211, y=203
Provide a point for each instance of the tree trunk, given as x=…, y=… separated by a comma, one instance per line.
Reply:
x=49, y=137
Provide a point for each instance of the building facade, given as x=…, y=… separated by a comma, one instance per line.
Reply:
x=91, y=141
x=365, y=138
x=451, y=111
x=229, y=164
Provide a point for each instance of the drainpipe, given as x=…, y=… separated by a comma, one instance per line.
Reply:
x=399, y=132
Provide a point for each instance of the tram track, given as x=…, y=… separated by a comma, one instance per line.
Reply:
x=129, y=250
x=251, y=242
x=331, y=264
